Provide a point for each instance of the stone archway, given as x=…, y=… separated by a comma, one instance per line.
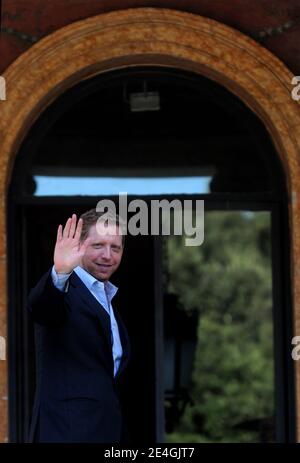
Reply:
x=161, y=37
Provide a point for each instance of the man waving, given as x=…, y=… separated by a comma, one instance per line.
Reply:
x=82, y=344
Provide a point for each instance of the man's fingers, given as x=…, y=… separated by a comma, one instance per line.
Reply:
x=67, y=228
x=59, y=233
x=73, y=226
x=66, y=232
x=78, y=229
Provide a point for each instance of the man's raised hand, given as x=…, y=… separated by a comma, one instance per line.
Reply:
x=69, y=250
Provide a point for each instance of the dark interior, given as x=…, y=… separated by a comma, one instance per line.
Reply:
x=200, y=129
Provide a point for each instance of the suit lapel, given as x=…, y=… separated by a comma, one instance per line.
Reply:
x=123, y=335
x=93, y=305
x=124, y=340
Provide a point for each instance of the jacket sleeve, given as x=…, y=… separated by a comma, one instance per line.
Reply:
x=46, y=302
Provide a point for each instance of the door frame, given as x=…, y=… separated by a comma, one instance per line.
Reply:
x=282, y=322
x=157, y=37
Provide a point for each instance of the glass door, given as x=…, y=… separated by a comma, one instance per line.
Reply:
x=223, y=362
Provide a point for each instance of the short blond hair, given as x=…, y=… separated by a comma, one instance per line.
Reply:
x=91, y=218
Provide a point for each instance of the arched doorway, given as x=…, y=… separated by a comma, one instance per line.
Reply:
x=158, y=52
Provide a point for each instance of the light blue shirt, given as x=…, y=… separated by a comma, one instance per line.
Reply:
x=103, y=292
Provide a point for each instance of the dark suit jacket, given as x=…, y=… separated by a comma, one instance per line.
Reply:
x=77, y=396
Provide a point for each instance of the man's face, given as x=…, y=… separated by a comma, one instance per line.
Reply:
x=104, y=253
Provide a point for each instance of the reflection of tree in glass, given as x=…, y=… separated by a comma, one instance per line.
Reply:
x=227, y=281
